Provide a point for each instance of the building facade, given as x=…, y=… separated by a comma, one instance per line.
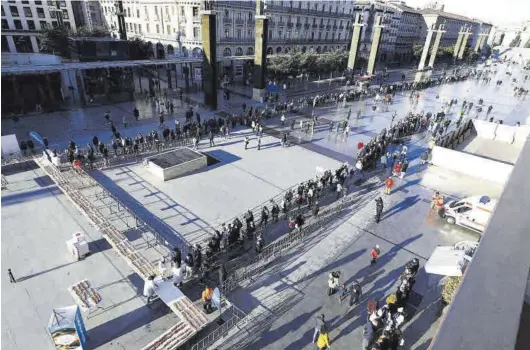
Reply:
x=87, y=13
x=174, y=25
x=369, y=11
x=453, y=24
x=408, y=31
x=22, y=21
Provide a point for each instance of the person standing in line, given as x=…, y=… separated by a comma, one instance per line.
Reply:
x=136, y=113
x=389, y=183
x=378, y=209
x=247, y=140
x=149, y=288
x=211, y=139
x=161, y=119
x=259, y=143
x=374, y=254
x=384, y=160
x=320, y=322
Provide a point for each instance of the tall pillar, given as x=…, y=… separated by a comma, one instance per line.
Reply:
x=186, y=72
x=168, y=72
x=425, y=49
x=260, y=53
x=480, y=42
x=354, y=48
x=374, y=49
x=209, y=58
x=464, y=44
x=34, y=44
x=434, y=50
x=458, y=43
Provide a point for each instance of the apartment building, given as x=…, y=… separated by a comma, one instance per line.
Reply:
x=408, y=32
x=453, y=23
x=22, y=21
x=391, y=18
x=173, y=26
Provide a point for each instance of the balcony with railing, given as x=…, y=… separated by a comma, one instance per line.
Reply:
x=244, y=4
x=328, y=27
x=240, y=21
x=307, y=25
x=241, y=41
x=307, y=12
x=281, y=24
x=298, y=25
x=315, y=25
x=322, y=26
x=227, y=20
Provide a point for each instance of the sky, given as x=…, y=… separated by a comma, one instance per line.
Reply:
x=501, y=13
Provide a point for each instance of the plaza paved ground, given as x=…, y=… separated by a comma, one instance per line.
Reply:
x=35, y=248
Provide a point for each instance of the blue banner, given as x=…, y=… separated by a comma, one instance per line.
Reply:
x=80, y=328
x=273, y=88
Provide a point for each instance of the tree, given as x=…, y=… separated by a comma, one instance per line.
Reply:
x=450, y=288
x=55, y=41
x=516, y=41
x=417, y=50
x=94, y=32
x=527, y=45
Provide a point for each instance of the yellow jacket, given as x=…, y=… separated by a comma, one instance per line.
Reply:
x=323, y=341
x=207, y=294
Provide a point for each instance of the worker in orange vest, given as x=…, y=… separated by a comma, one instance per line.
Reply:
x=374, y=254
x=207, y=299
x=440, y=205
x=434, y=200
x=389, y=183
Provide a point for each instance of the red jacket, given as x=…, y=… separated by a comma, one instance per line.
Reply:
x=374, y=253
x=360, y=145
x=389, y=182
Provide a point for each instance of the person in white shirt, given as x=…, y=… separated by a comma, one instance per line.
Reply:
x=177, y=275
x=149, y=288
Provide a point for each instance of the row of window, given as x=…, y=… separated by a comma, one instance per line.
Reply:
x=31, y=25
x=28, y=13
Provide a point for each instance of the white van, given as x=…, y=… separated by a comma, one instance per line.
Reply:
x=472, y=212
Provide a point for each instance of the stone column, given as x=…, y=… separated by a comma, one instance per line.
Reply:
x=458, y=43
x=425, y=49
x=463, y=45
x=209, y=58
x=34, y=44
x=260, y=52
x=434, y=50
x=354, y=49
x=186, y=72
x=168, y=72
x=480, y=42
x=374, y=49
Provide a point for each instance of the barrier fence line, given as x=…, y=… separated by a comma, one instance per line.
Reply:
x=277, y=249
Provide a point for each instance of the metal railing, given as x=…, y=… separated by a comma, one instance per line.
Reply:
x=272, y=252
x=237, y=319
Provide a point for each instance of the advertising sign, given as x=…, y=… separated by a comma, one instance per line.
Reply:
x=67, y=328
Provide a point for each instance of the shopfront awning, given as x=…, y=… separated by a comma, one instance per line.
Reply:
x=42, y=69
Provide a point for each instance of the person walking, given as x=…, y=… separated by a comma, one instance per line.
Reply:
x=389, y=183
x=404, y=168
x=211, y=139
x=320, y=322
x=136, y=113
x=323, y=339
x=13, y=280
x=247, y=140
x=374, y=254
x=259, y=143
x=282, y=119
x=378, y=209
x=356, y=293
